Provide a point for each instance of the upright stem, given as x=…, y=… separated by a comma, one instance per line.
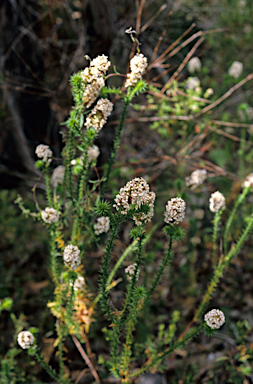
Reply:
x=48, y=190
x=47, y=367
x=239, y=200
x=115, y=147
x=166, y=261
x=217, y=218
x=70, y=157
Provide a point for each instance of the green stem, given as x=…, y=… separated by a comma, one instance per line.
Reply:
x=217, y=218
x=239, y=200
x=69, y=168
x=105, y=272
x=48, y=190
x=168, y=351
x=54, y=265
x=47, y=367
x=167, y=260
x=223, y=263
x=115, y=147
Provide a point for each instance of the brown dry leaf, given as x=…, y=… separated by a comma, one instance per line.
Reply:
x=35, y=287
x=48, y=348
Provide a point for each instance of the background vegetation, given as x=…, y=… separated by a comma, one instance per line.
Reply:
x=42, y=44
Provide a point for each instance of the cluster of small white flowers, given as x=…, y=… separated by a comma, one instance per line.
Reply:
x=93, y=78
x=175, y=211
x=44, y=152
x=192, y=83
x=102, y=225
x=194, y=65
x=214, y=318
x=217, y=201
x=79, y=283
x=236, y=69
x=93, y=153
x=50, y=215
x=138, y=65
x=99, y=114
x=196, y=178
x=92, y=90
x=58, y=176
x=130, y=272
x=136, y=192
x=25, y=339
x=71, y=256
x=248, y=182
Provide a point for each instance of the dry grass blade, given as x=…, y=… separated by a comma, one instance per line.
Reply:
x=86, y=359
x=161, y=59
x=160, y=40
x=138, y=21
x=225, y=96
x=183, y=64
x=160, y=10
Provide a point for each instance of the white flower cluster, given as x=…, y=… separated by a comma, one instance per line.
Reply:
x=194, y=65
x=44, y=152
x=50, y=215
x=130, y=272
x=248, y=182
x=175, y=211
x=79, y=283
x=71, y=256
x=196, y=178
x=217, y=201
x=138, y=65
x=236, y=69
x=192, y=83
x=136, y=193
x=25, y=339
x=214, y=318
x=58, y=176
x=93, y=153
x=99, y=114
x=93, y=78
x=102, y=225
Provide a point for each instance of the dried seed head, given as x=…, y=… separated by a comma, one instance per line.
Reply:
x=194, y=65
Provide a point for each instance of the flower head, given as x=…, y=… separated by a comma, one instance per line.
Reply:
x=214, y=318
x=248, y=182
x=175, y=211
x=93, y=153
x=194, y=65
x=236, y=69
x=196, y=178
x=135, y=194
x=50, y=215
x=138, y=65
x=217, y=201
x=71, y=256
x=58, y=176
x=192, y=83
x=102, y=225
x=130, y=271
x=25, y=339
x=99, y=114
x=44, y=153
x=92, y=90
x=79, y=283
